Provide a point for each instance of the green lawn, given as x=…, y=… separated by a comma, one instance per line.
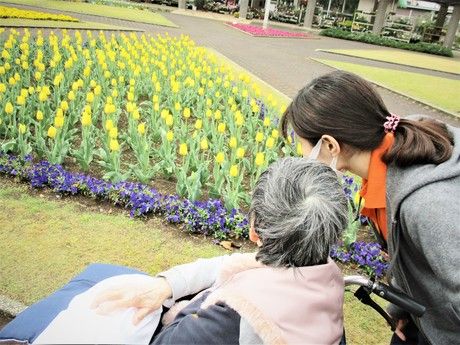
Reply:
x=441, y=93
x=43, y=243
x=436, y=63
x=31, y=23
x=135, y=15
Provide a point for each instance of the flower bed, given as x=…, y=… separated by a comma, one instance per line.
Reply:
x=205, y=217
x=139, y=108
x=10, y=12
x=367, y=256
x=258, y=31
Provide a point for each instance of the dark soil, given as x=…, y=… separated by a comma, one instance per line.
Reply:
x=4, y=319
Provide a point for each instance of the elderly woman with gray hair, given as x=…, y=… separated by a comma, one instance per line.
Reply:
x=288, y=292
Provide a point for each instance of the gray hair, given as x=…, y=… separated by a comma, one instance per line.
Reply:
x=299, y=211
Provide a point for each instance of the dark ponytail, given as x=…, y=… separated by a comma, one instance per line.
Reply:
x=423, y=141
x=347, y=107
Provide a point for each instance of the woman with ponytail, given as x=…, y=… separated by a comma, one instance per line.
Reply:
x=411, y=191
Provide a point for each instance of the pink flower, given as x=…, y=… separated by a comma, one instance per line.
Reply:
x=269, y=32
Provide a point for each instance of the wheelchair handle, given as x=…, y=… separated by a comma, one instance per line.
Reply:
x=388, y=293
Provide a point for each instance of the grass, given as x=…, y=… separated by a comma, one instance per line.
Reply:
x=425, y=61
x=440, y=93
x=43, y=243
x=129, y=14
x=31, y=23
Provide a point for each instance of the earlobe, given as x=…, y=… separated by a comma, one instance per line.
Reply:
x=252, y=235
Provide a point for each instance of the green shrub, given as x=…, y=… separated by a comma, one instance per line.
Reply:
x=200, y=4
x=370, y=38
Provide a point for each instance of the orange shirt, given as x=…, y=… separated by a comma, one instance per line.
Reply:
x=373, y=190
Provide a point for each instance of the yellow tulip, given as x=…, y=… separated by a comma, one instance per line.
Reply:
x=20, y=100
x=221, y=127
x=233, y=142
x=204, y=144
x=186, y=113
x=22, y=128
x=136, y=114
x=170, y=136
x=259, y=137
x=208, y=112
x=270, y=142
x=59, y=121
x=42, y=96
x=86, y=120
x=234, y=170
x=169, y=120
x=109, y=108
x=90, y=97
x=275, y=134
x=220, y=157
x=267, y=121
x=299, y=149
x=39, y=115
x=52, y=132
x=9, y=108
x=240, y=152
x=260, y=159
x=183, y=149
x=2, y=87
x=177, y=106
x=64, y=105
x=71, y=95
x=156, y=107
x=141, y=128
x=164, y=113
x=108, y=125
x=113, y=133
x=218, y=114
x=199, y=124
x=114, y=145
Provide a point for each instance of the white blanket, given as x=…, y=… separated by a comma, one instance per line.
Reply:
x=79, y=324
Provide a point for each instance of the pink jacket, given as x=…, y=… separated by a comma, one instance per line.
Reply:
x=283, y=305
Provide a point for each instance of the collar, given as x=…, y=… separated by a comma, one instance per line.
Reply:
x=373, y=189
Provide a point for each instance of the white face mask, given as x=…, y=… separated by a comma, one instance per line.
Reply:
x=314, y=154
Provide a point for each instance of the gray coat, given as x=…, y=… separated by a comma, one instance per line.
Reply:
x=423, y=217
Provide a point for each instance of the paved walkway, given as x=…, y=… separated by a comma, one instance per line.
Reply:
x=282, y=62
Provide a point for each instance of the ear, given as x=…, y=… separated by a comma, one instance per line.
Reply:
x=332, y=145
x=252, y=234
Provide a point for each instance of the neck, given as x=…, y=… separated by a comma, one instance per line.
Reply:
x=358, y=164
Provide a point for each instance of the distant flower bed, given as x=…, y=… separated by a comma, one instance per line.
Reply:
x=10, y=12
x=258, y=31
